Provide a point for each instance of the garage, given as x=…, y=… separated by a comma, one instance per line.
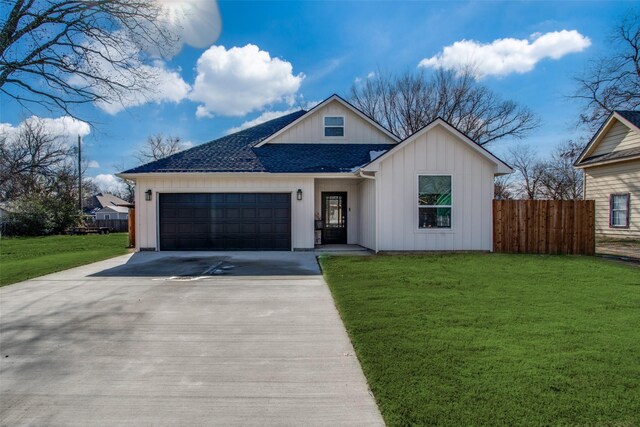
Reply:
x=225, y=221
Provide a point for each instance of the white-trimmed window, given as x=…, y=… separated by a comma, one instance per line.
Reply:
x=334, y=126
x=107, y=216
x=619, y=210
x=434, y=201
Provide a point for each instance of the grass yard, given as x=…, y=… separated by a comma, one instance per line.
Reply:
x=23, y=258
x=494, y=339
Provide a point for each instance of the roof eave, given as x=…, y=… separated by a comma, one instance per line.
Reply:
x=607, y=162
x=501, y=167
x=597, y=137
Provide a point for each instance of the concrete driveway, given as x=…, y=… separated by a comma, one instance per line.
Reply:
x=180, y=339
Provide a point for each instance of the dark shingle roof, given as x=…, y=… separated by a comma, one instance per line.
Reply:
x=632, y=116
x=317, y=157
x=237, y=153
x=614, y=155
x=231, y=153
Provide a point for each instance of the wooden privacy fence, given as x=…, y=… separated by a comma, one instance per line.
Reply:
x=544, y=226
x=115, y=225
x=132, y=227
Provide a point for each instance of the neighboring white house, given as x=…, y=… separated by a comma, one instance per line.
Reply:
x=108, y=206
x=329, y=175
x=611, y=165
x=112, y=212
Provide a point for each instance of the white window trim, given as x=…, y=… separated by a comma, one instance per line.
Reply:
x=417, y=206
x=344, y=127
x=106, y=216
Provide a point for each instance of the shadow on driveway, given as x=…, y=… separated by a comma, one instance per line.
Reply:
x=198, y=264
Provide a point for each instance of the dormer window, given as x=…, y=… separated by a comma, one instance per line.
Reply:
x=334, y=126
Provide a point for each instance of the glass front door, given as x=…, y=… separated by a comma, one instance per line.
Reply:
x=334, y=217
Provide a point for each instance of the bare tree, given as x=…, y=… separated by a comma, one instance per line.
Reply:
x=158, y=147
x=560, y=179
x=62, y=53
x=30, y=159
x=613, y=82
x=529, y=171
x=406, y=103
x=503, y=187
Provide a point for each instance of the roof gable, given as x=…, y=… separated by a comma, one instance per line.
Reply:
x=617, y=139
x=501, y=167
x=241, y=152
x=359, y=128
x=107, y=199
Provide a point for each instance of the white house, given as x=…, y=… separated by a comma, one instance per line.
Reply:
x=108, y=206
x=329, y=175
x=112, y=212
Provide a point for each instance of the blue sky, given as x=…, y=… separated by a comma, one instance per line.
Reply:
x=322, y=47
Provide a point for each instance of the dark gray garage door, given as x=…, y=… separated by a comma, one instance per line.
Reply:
x=225, y=221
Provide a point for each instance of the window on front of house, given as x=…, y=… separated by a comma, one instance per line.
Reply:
x=434, y=201
x=107, y=216
x=619, y=210
x=334, y=126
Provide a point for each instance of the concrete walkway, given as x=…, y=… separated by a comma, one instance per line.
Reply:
x=215, y=344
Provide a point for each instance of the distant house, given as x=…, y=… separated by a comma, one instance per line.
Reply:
x=330, y=175
x=611, y=165
x=108, y=206
x=112, y=212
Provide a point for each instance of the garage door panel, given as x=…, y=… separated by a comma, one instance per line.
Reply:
x=225, y=221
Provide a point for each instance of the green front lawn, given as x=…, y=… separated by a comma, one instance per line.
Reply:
x=23, y=258
x=494, y=339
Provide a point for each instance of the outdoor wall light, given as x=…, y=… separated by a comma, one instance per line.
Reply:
x=299, y=194
x=147, y=195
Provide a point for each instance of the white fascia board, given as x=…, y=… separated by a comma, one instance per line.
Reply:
x=597, y=138
x=501, y=167
x=133, y=176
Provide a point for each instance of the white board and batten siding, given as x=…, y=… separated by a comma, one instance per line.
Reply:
x=616, y=178
x=619, y=137
x=302, y=211
x=310, y=130
x=367, y=215
x=436, y=152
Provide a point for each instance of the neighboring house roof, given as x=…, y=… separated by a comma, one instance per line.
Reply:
x=116, y=209
x=632, y=116
x=106, y=199
x=631, y=119
x=501, y=166
x=629, y=153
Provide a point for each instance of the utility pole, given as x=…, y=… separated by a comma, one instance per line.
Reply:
x=80, y=173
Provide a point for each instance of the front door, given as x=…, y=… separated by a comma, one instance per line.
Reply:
x=334, y=217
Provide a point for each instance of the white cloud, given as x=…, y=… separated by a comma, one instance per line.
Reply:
x=168, y=87
x=107, y=183
x=505, y=56
x=93, y=165
x=64, y=127
x=237, y=81
x=149, y=82
x=196, y=23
